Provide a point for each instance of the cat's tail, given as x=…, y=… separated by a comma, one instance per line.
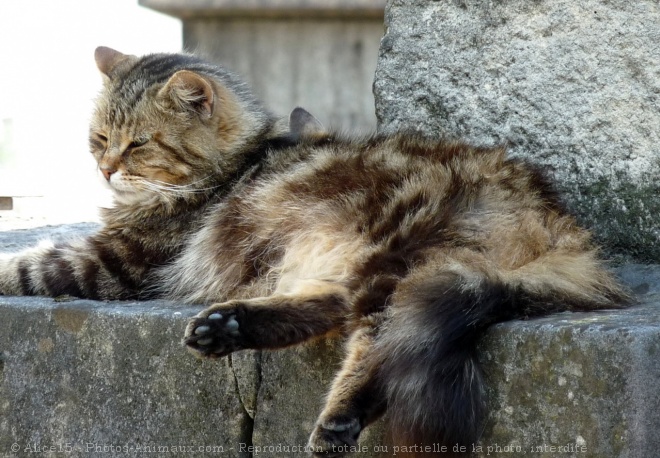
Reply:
x=430, y=373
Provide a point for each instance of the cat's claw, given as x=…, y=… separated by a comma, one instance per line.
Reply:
x=213, y=334
x=334, y=437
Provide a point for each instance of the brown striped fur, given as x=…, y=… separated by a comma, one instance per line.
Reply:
x=407, y=246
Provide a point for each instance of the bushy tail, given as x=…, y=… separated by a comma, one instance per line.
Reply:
x=430, y=373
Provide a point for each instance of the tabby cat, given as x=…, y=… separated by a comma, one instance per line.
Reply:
x=408, y=247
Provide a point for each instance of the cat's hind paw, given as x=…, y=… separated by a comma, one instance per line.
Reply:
x=214, y=333
x=335, y=437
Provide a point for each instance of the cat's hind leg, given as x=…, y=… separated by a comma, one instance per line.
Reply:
x=355, y=399
x=267, y=323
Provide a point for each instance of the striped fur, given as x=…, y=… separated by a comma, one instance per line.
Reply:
x=409, y=247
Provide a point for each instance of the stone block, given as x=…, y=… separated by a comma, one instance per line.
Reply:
x=587, y=380
x=317, y=54
x=269, y=8
x=88, y=375
x=573, y=86
x=96, y=378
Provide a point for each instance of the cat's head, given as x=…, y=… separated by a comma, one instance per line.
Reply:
x=170, y=125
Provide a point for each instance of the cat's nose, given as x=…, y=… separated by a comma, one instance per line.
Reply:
x=107, y=172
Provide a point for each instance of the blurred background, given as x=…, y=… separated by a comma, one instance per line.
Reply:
x=319, y=54
x=48, y=81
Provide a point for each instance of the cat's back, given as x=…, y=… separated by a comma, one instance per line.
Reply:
x=405, y=195
x=394, y=177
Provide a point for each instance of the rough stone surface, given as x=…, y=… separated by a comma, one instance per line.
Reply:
x=574, y=86
x=580, y=378
x=86, y=374
x=291, y=395
x=11, y=241
x=90, y=375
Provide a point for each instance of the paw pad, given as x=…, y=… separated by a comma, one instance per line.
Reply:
x=214, y=335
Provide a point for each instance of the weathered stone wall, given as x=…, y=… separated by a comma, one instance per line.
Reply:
x=573, y=86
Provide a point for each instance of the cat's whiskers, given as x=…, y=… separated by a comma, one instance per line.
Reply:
x=167, y=189
x=185, y=185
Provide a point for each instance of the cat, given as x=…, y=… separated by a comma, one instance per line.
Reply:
x=406, y=246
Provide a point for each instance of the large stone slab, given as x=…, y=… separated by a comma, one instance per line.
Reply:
x=574, y=86
x=90, y=377
x=587, y=380
x=83, y=375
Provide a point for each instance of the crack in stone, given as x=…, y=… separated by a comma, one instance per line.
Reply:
x=249, y=408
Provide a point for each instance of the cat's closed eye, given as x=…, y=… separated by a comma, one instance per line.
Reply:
x=102, y=138
x=98, y=142
x=138, y=142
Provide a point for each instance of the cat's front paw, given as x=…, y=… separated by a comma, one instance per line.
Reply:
x=215, y=332
x=335, y=437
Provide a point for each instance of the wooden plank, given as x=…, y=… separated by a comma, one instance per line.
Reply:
x=6, y=203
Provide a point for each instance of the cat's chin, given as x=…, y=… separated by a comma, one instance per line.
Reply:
x=126, y=195
x=142, y=199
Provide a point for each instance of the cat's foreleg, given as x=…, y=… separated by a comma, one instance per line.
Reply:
x=16, y=270
x=266, y=323
x=46, y=270
x=83, y=268
x=355, y=399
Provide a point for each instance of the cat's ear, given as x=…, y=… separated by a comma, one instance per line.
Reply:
x=303, y=124
x=189, y=91
x=108, y=60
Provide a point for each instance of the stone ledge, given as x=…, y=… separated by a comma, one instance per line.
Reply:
x=269, y=8
x=577, y=378
x=90, y=374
